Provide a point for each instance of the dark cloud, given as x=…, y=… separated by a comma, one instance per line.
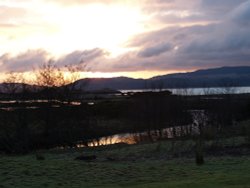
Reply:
x=241, y=15
x=81, y=57
x=180, y=12
x=155, y=50
x=33, y=59
x=23, y=62
x=226, y=43
x=220, y=5
x=229, y=36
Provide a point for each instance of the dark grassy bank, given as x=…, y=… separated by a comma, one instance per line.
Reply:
x=143, y=165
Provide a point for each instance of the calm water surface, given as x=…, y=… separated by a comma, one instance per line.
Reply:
x=199, y=91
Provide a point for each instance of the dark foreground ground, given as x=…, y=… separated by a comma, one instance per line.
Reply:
x=162, y=164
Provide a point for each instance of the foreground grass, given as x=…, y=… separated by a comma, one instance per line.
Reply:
x=59, y=169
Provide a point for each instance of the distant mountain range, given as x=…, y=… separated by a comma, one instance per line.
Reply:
x=216, y=77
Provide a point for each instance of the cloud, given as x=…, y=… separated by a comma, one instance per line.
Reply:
x=155, y=50
x=7, y=12
x=186, y=35
x=83, y=2
x=232, y=35
x=174, y=12
x=33, y=59
x=179, y=12
x=165, y=5
x=226, y=43
x=11, y=16
x=220, y=5
x=23, y=62
x=81, y=57
x=241, y=15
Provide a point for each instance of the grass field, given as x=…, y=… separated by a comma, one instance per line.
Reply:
x=132, y=167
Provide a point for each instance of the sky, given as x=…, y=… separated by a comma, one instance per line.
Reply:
x=139, y=39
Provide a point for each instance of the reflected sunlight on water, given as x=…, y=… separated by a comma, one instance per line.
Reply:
x=133, y=138
x=114, y=139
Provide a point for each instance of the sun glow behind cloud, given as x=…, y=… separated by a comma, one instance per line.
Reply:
x=61, y=29
x=106, y=27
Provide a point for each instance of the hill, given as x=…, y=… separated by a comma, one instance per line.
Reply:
x=216, y=77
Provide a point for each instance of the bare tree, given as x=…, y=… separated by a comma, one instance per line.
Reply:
x=55, y=80
x=57, y=84
x=49, y=75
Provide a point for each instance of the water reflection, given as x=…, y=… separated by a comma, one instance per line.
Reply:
x=152, y=136
x=197, y=91
x=30, y=104
x=128, y=138
x=75, y=103
x=18, y=108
